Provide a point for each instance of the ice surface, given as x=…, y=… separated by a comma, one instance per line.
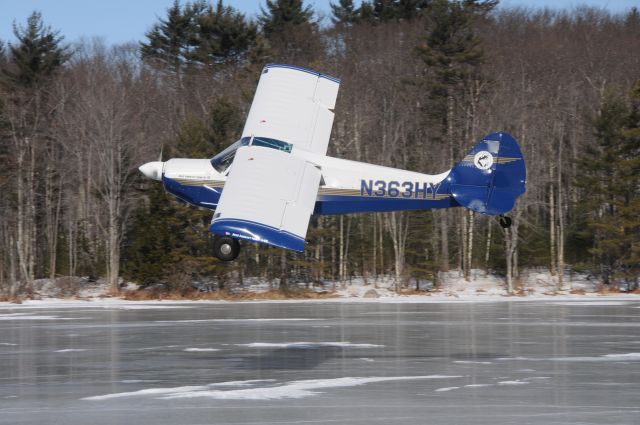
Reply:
x=112, y=306
x=134, y=367
x=26, y=316
x=592, y=303
x=307, y=345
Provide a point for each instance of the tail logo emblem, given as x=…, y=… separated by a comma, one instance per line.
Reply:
x=483, y=160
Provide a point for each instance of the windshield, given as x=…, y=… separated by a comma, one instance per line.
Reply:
x=223, y=160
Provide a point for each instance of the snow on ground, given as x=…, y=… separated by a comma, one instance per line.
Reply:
x=533, y=284
x=287, y=390
x=624, y=357
x=261, y=320
x=304, y=345
x=196, y=349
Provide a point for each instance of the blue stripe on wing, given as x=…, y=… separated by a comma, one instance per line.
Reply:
x=257, y=232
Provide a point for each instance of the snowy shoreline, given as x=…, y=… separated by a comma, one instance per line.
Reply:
x=534, y=285
x=119, y=303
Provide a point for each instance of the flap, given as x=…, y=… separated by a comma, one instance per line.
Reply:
x=268, y=198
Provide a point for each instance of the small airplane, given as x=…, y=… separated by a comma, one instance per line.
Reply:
x=265, y=187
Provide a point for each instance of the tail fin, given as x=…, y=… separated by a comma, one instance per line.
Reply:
x=491, y=177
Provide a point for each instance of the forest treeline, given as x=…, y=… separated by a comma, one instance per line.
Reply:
x=422, y=81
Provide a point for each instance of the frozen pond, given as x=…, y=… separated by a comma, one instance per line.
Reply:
x=540, y=362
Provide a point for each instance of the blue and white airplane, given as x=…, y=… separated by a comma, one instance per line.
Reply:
x=265, y=187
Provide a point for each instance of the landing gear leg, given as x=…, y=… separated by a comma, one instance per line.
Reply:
x=225, y=248
x=505, y=222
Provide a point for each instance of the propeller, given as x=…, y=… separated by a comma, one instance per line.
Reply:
x=153, y=170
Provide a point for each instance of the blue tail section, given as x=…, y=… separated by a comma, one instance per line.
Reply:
x=491, y=177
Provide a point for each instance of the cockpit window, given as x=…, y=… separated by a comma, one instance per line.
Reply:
x=223, y=160
x=272, y=143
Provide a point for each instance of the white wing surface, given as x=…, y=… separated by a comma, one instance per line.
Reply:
x=293, y=105
x=268, y=197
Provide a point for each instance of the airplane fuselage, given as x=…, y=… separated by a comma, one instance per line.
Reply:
x=346, y=186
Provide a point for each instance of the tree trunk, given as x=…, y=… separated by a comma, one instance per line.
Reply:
x=552, y=227
x=444, y=241
x=397, y=225
x=487, y=252
x=469, y=246
x=560, y=238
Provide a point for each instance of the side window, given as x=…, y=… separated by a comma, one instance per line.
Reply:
x=223, y=160
x=272, y=143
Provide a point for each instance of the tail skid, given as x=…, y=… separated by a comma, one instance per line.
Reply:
x=491, y=177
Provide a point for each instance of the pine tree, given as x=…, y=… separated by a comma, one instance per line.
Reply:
x=37, y=55
x=452, y=52
x=167, y=239
x=292, y=34
x=609, y=177
x=282, y=15
x=344, y=12
x=385, y=10
x=452, y=48
x=168, y=42
x=223, y=36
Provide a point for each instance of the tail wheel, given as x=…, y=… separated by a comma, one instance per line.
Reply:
x=504, y=221
x=225, y=248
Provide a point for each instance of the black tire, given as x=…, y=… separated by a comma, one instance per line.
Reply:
x=225, y=248
x=505, y=222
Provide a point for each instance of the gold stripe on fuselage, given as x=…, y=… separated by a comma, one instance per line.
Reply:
x=211, y=183
x=496, y=160
x=332, y=191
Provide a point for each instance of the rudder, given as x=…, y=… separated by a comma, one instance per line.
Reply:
x=491, y=177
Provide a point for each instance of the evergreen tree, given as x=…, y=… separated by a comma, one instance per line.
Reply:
x=290, y=31
x=168, y=239
x=223, y=35
x=451, y=50
x=37, y=55
x=169, y=41
x=610, y=179
x=344, y=12
x=282, y=15
x=385, y=10
x=411, y=9
x=199, y=33
x=378, y=11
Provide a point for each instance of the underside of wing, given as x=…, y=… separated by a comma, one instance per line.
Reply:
x=268, y=198
x=293, y=105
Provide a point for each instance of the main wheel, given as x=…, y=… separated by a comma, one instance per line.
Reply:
x=505, y=221
x=225, y=248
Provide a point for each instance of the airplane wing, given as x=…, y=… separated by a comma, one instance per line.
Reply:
x=268, y=197
x=270, y=193
x=293, y=105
